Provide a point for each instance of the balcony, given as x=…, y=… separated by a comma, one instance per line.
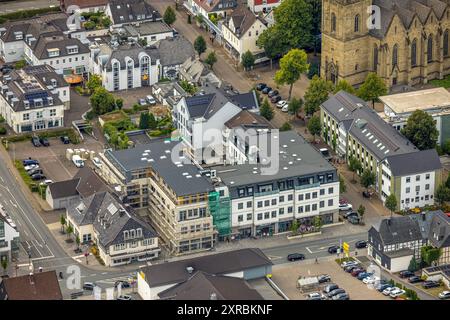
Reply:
x=308, y=186
x=266, y=193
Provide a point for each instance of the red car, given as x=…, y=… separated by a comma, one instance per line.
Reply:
x=357, y=271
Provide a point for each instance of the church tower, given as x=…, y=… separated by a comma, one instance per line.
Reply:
x=345, y=40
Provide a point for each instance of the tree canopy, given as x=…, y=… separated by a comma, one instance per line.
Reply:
x=266, y=110
x=102, y=101
x=316, y=94
x=372, y=88
x=430, y=254
x=421, y=130
x=391, y=203
x=200, y=45
x=211, y=59
x=344, y=85
x=169, y=16
x=292, y=65
x=295, y=105
x=314, y=126
x=367, y=178
x=248, y=60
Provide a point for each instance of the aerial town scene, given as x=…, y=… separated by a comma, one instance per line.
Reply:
x=242, y=150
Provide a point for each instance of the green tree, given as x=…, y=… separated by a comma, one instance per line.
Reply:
x=248, y=60
x=4, y=264
x=69, y=230
x=94, y=82
x=367, y=178
x=361, y=211
x=442, y=194
x=344, y=85
x=144, y=121
x=272, y=42
x=354, y=166
x=446, y=146
x=77, y=240
x=152, y=123
x=200, y=45
x=413, y=265
x=447, y=182
x=342, y=186
x=314, y=126
x=169, y=16
x=372, y=88
x=89, y=25
x=430, y=254
x=391, y=203
x=295, y=106
x=211, y=59
x=62, y=220
x=334, y=142
x=286, y=127
x=188, y=87
x=106, y=22
x=421, y=130
x=266, y=110
x=143, y=42
x=316, y=94
x=20, y=64
x=102, y=101
x=294, y=226
x=317, y=222
x=119, y=103
x=292, y=65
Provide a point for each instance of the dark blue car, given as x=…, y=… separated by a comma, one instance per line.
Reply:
x=382, y=287
x=363, y=275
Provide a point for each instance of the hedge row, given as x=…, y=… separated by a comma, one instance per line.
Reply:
x=48, y=134
x=26, y=14
x=25, y=177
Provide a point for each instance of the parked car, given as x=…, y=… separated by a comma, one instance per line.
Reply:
x=406, y=274
x=88, y=286
x=361, y=244
x=124, y=297
x=383, y=287
x=348, y=214
x=363, y=275
x=296, y=256
x=371, y=280
x=266, y=90
x=65, y=139
x=96, y=161
x=46, y=182
x=414, y=279
x=281, y=103
x=316, y=296
x=34, y=171
x=260, y=86
x=37, y=176
x=348, y=263
x=396, y=293
x=29, y=161
x=323, y=278
x=333, y=249
x=142, y=102
x=345, y=207
x=430, y=284
x=335, y=292
x=31, y=167
x=285, y=108
x=341, y=296
x=44, y=141
x=367, y=194
x=272, y=93
x=357, y=271
x=330, y=287
x=275, y=99
x=388, y=290
x=354, y=219
x=35, y=141
x=150, y=100
x=444, y=295
x=125, y=284
x=350, y=268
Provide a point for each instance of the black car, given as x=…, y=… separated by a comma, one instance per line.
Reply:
x=346, y=215
x=266, y=90
x=430, y=284
x=44, y=141
x=414, y=279
x=367, y=194
x=406, y=274
x=35, y=141
x=335, y=292
x=34, y=171
x=333, y=249
x=296, y=256
x=37, y=176
x=275, y=99
x=273, y=93
x=30, y=161
x=323, y=278
x=125, y=284
x=361, y=244
x=260, y=86
x=65, y=139
x=88, y=286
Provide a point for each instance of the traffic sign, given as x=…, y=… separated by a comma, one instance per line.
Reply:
x=346, y=247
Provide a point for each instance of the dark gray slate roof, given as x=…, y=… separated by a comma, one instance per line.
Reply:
x=89, y=182
x=174, y=51
x=247, y=100
x=57, y=40
x=129, y=51
x=84, y=212
x=179, y=174
x=45, y=74
x=416, y=162
x=201, y=285
x=129, y=10
x=439, y=234
x=215, y=264
x=64, y=189
x=398, y=230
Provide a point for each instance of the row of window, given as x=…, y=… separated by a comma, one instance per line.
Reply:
x=408, y=189
x=192, y=214
x=427, y=177
x=39, y=115
x=134, y=244
x=131, y=234
x=196, y=228
x=64, y=60
x=417, y=199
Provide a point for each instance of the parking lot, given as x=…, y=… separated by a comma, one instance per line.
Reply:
x=52, y=159
x=131, y=97
x=286, y=276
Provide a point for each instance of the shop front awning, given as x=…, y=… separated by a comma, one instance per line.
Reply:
x=73, y=78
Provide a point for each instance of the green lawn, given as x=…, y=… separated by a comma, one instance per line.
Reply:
x=441, y=83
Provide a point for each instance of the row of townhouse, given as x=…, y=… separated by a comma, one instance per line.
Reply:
x=393, y=242
x=353, y=129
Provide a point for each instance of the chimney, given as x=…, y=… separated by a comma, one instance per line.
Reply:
x=190, y=270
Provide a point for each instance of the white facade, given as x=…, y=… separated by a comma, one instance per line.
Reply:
x=8, y=235
x=263, y=5
x=11, y=51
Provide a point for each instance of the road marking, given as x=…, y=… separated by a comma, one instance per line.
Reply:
x=14, y=205
x=309, y=250
x=104, y=272
x=42, y=258
x=274, y=257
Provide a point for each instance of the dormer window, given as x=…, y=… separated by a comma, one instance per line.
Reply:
x=18, y=35
x=139, y=233
x=72, y=49
x=132, y=234
x=54, y=83
x=53, y=52
x=126, y=235
x=50, y=101
x=121, y=18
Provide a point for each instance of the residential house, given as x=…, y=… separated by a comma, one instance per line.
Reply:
x=160, y=177
x=197, y=73
x=354, y=129
x=207, y=7
x=434, y=101
x=219, y=272
x=63, y=194
x=125, y=66
x=241, y=30
x=439, y=235
x=83, y=5
x=28, y=104
x=9, y=237
x=168, y=93
x=120, y=235
x=264, y=6
x=37, y=286
x=123, y=12
x=151, y=31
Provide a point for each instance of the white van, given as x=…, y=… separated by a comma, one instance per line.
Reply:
x=76, y=159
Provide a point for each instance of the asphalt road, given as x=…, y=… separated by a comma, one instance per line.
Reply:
x=16, y=5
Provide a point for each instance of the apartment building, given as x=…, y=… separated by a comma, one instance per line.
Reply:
x=151, y=31
x=303, y=187
x=160, y=177
x=120, y=235
x=28, y=104
x=240, y=32
x=435, y=102
x=124, y=12
x=353, y=129
x=200, y=120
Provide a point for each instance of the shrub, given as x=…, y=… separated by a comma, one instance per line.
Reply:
x=25, y=177
x=2, y=130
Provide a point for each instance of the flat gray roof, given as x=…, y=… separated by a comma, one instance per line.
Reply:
x=408, y=102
